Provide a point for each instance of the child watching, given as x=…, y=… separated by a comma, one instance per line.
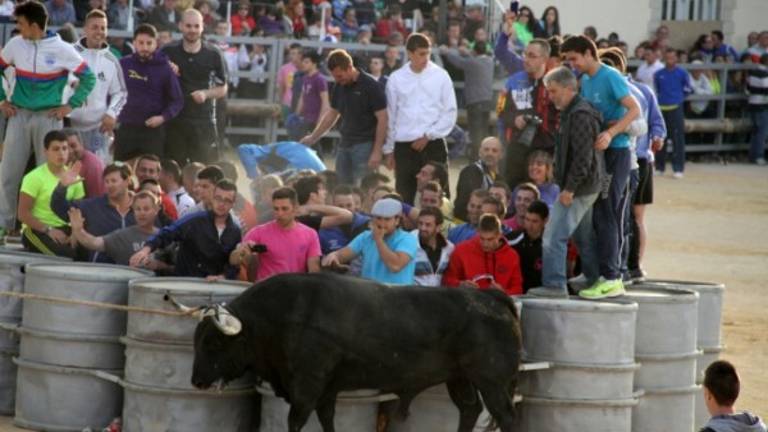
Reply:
x=721, y=389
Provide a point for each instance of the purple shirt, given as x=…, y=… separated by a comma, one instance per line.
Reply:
x=311, y=88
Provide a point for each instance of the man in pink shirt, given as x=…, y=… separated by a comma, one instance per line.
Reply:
x=91, y=167
x=285, y=77
x=282, y=245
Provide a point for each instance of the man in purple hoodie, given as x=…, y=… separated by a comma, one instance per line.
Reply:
x=154, y=98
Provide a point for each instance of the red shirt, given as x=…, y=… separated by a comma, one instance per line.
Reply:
x=237, y=23
x=470, y=263
x=91, y=170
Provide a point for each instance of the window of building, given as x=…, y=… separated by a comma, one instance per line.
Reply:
x=691, y=10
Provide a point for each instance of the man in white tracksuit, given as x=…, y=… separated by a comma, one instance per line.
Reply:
x=96, y=119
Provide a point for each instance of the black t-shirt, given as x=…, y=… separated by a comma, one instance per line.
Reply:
x=530, y=258
x=199, y=71
x=312, y=221
x=357, y=104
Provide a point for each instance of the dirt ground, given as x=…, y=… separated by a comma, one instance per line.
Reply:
x=712, y=226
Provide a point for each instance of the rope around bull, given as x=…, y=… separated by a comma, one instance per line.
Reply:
x=94, y=304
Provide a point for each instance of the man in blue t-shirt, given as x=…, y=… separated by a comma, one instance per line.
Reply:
x=606, y=90
x=388, y=252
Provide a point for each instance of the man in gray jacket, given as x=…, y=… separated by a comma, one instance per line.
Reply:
x=580, y=173
x=477, y=65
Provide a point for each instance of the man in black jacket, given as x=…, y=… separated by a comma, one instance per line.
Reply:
x=206, y=238
x=580, y=173
x=479, y=175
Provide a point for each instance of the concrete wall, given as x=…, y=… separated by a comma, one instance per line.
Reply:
x=634, y=20
x=745, y=16
x=628, y=18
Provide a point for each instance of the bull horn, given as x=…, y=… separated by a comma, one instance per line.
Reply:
x=196, y=312
x=224, y=320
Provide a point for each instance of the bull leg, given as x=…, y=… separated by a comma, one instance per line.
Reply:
x=499, y=404
x=464, y=395
x=298, y=416
x=326, y=410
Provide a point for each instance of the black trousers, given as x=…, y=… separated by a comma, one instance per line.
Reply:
x=192, y=141
x=408, y=162
x=132, y=141
x=40, y=242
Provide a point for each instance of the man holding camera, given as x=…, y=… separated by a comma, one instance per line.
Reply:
x=280, y=246
x=528, y=118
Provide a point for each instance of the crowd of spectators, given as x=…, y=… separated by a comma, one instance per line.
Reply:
x=138, y=178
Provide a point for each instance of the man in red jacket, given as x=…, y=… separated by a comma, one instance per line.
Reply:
x=485, y=261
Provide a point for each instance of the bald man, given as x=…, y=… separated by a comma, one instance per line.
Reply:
x=479, y=175
x=203, y=75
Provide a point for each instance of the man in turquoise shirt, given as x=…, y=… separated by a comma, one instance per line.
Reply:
x=388, y=252
x=606, y=90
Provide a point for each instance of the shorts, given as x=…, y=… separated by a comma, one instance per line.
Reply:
x=644, y=194
x=132, y=141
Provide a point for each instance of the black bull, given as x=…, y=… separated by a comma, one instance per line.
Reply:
x=313, y=336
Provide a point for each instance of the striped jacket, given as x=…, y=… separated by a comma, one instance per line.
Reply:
x=42, y=70
x=424, y=273
x=757, y=87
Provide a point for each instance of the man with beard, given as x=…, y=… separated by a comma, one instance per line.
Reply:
x=434, y=250
x=479, y=175
x=203, y=75
x=96, y=119
x=154, y=98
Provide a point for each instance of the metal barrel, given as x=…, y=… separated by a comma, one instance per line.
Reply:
x=64, y=346
x=666, y=347
x=159, y=352
x=590, y=346
x=12, y=263
x=709, y=329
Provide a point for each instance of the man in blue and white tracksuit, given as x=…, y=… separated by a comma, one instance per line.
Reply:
x=96, y=119
x=434, y=250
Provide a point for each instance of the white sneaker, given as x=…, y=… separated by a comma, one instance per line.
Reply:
x=760, y=162
x=658, y=173
x=677, y=175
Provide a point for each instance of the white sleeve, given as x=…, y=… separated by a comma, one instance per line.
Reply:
x=118, y=92
x=447, y=119
x=389, y=143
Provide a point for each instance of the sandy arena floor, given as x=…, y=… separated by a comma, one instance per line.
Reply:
x=712, y=226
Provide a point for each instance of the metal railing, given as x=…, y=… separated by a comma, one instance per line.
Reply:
x=271, y=130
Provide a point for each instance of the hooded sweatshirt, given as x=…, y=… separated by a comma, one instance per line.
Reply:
x=110, y=87
x=741, y=422
x=153, y=89
x=470, y=263
x=42, y=73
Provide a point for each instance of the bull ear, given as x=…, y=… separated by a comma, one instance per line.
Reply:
x=196, y=312
x=225, y=321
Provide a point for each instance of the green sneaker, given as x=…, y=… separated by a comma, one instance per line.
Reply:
x=603, y=289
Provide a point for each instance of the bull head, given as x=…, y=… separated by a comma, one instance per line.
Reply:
x=221, y=316
x=224, y=320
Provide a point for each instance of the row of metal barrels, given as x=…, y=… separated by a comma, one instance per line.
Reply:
x=77, y=370
x=632, y=364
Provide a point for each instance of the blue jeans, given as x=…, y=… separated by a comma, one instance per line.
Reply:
x=564, y=222
x=675, y=121
x=759, y=134
x=629, y=218
x=352, y=162
x=609, y=213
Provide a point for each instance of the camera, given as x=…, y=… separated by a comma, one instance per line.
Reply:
x=258, y=248
x=532, y=123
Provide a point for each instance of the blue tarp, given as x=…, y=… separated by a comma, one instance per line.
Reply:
x=278, y=157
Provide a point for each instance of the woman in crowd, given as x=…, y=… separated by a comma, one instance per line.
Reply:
x=540, y=173
x=550, y=22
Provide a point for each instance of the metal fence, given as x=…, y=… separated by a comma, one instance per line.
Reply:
x=270, y=129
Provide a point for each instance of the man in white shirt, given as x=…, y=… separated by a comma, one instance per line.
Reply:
x=95, y=120
x=421, y=105
x=646, y=70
